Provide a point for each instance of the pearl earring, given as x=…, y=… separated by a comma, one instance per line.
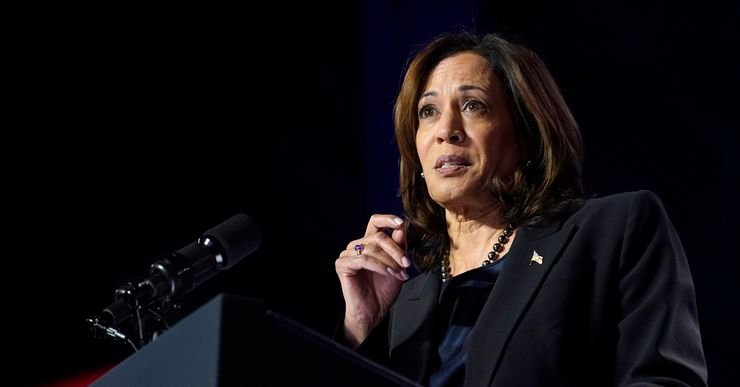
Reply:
x=422, y=175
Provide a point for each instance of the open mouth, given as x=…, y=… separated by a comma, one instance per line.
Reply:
x=451, y=164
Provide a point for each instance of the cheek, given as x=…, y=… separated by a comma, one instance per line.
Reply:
x=500, y=151
x=506, y=153
x=422, y=144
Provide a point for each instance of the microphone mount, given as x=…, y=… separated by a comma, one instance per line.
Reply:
x=142, y=306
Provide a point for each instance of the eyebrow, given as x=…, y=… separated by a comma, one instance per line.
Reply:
x=470, y=87
x=461, y=88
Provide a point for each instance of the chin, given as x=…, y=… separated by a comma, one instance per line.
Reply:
x=452, y=196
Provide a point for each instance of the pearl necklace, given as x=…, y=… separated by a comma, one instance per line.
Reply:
x=493, y=256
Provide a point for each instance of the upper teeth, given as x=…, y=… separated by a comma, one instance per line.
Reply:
x=450, y=163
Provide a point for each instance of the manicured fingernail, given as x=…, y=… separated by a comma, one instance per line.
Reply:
x=404, y=275
x=405, y=261
x=398, y=220
x=391, y=271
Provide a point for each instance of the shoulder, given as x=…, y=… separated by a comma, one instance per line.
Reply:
x=620, y=206
x=627, y=210
x=623, y=200
x=607, y=215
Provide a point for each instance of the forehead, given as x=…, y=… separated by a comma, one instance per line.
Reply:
x=463, y=68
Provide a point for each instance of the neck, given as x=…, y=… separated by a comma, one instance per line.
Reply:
x=471, y=236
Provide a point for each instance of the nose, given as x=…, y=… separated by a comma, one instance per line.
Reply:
x=451, y=128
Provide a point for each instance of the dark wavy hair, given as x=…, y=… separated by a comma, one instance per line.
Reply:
x=543, y=189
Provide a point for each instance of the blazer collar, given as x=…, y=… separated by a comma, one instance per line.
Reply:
x=517, y=284
x=413, y=307
x=412, y=324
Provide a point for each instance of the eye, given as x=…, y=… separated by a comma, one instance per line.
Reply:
x=474, y=106
x=427, y=111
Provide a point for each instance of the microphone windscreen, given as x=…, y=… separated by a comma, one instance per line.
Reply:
x=239, y=236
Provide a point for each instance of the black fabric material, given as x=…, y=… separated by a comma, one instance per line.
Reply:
x=460, y=302
x=612, y=303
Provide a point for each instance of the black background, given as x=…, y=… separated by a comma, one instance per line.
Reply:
x=136, y=126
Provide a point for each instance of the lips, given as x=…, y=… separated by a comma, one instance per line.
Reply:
x=450, y=161
x=450, y=165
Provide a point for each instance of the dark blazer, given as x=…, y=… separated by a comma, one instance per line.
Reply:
x=611, y=304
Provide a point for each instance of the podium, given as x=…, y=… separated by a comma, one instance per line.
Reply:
x=238, y=341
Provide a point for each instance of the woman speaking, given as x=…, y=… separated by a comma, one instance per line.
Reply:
x=522, y=281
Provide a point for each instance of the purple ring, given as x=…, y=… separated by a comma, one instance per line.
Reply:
x=359, y=248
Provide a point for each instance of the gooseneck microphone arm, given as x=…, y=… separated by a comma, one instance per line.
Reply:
x=141, y=305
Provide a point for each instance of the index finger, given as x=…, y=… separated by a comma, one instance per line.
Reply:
x=380, y=222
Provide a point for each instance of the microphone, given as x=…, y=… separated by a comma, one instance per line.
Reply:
x=220, y=248
x=175, y=273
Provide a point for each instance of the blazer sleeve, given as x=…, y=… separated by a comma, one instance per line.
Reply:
x=659, y=340
x=374, y=347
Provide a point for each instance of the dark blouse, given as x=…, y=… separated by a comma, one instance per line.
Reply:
x=460, y=302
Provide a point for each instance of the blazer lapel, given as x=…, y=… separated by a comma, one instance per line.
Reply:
x=411, y=324
x=413, y=309
x=516, y=286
